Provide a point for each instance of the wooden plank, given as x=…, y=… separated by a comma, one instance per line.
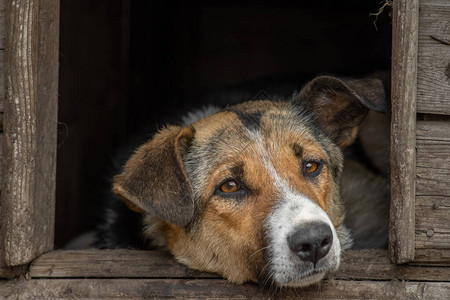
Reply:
x=433, y=145
x=403, y=129
x=111, y=263
x=29, y=148
x=433, y=83
x=438, y=257
x=433, y=182
x=94, y=263
x=215, y=289
x=433, y=189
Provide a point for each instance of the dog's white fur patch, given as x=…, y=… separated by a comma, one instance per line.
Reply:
x=293, y=211
x=287, y=269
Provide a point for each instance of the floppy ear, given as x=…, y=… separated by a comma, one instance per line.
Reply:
x=340, y=106
x=154, y=178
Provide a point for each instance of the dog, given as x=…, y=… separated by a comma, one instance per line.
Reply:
x=257, y=191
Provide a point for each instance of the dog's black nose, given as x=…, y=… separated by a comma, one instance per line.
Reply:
x=311, y=242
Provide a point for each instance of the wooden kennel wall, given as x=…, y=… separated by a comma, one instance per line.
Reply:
x=420, y=214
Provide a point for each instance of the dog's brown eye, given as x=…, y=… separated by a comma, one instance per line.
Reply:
x=230, y=186
x=312, y=168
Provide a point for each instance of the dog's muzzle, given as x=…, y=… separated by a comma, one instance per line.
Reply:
x=303, y=244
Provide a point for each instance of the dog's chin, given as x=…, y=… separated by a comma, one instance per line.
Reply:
x=304, y=281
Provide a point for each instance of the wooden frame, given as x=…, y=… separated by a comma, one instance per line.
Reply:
x=29, y=126
x=27, y=198
x=405, y=30
x=107, y=274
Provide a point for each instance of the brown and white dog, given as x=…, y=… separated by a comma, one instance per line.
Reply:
x=252, y=192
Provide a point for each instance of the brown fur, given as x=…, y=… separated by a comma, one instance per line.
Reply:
x=174, y=177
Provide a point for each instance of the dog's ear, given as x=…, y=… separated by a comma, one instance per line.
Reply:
x=341, y=105
x=154, y=178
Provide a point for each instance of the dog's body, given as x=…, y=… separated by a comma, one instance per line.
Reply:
x=252, y=192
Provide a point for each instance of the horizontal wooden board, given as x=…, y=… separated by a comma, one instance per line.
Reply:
x=437, y=257
x=433, y=76
x=94, y=263
x=432, y=239
x=214, y=289
x=111, y=263
x=432, y=181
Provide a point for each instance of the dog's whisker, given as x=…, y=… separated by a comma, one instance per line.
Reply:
x=259, y=250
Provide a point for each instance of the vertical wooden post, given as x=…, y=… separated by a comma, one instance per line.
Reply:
x=30, y=120
x=403, y=129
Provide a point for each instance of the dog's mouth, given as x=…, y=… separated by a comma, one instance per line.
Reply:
x=305, y=280
x=295, y=275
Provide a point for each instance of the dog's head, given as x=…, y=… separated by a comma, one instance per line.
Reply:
x=252, y=192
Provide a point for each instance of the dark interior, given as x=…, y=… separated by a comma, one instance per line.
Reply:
x=129, y=67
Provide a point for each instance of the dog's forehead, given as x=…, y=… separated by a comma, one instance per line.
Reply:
x=263, y=116
x=251, y=127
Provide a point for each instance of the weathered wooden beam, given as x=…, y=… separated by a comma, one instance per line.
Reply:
x=215, y=289
x=30, y=119
x=403, y=129
x=365, y=264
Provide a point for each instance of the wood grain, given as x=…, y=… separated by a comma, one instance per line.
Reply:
x=1, y=157
x=111, y=263
x=2, y=53
x=215, y=289
x=29, y=143
x=2, y=24
x=366, y=264
x=11, y=272
x=403, y=130
x=437, y=257
x=433, y=188
x=2, y=79
x=433, y=83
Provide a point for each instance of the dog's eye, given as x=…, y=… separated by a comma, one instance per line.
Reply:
x=312, y=168
x=229, y=186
